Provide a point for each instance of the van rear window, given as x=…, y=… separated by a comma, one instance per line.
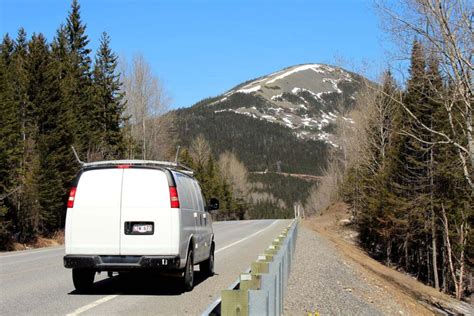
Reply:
x=99, y=188
x=145, y=188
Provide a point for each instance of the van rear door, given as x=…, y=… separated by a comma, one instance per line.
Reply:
x=93, y=224
x=149, y=226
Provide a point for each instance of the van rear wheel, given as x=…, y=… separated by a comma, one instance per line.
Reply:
x=83, y=279
x=188, y=277
x=207, y=267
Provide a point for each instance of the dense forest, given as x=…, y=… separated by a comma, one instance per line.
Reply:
x=406, y=193
x=260, y=144
x=53, y=95
x=408, y=166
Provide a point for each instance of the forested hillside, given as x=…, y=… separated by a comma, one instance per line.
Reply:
x=259, y=144
x=410, y=192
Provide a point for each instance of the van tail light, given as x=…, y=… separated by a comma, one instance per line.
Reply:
x=72, y=197
x=123, y=166
x=174, y=197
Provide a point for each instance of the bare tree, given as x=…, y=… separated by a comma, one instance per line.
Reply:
x=235, y=173
x=326, y=191
x=200, y=150
x=445, y=26
x=456, y=264
x=146, y=101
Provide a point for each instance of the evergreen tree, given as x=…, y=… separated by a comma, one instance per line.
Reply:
x=417, y=159
x=10, y=141
x=108, y=101
x=60, y=135
x=45, y=96
x=26, y=201
x=77, y=87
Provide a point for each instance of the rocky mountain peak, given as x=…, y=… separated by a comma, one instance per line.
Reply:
x=308, y=99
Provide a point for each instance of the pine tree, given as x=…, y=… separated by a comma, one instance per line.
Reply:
x=58, y=165
x=26, y=204
x=370, y=182
x=77, y=87
x=108, y=101
x=10, y=143
x=44, y=95
x=414, y=178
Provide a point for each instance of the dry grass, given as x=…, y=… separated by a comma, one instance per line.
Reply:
x=41, y=242
x=420, y=299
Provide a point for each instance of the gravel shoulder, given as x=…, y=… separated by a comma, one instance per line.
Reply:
x=323, y=280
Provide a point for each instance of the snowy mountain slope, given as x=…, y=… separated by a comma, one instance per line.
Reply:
x=308, y=99
x=284, y=121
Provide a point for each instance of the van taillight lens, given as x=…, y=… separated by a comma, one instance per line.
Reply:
x=72, y=197
x=174, y=197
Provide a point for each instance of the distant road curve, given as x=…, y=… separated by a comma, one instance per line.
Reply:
x=308, y=177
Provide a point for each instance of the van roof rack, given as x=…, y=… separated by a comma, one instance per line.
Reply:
x=150, y=163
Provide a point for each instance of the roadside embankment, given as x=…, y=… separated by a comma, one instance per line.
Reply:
x=324, y=281
x=332, y=275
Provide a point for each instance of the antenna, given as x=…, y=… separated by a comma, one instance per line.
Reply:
x=177, y=155
x=77, y=156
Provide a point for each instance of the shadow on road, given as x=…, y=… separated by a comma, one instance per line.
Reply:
x=140, y=283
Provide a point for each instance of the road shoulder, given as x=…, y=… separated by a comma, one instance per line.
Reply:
x=325, y=281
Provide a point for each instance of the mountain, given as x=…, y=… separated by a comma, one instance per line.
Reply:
x=283, y=122
x=304, y=98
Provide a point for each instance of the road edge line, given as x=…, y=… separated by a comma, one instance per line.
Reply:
x=6, y=254
x=85, y=308
x=246, y=238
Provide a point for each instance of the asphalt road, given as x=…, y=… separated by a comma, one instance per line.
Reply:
x=36, y=283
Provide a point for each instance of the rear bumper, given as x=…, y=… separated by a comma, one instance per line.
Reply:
x=119, y=263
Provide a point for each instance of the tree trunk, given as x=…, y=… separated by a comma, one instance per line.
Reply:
x=444, y=272
x=433, y=226
x=144, y=139
x=458, y=282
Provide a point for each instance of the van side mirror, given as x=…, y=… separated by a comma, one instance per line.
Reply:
x=213, y=204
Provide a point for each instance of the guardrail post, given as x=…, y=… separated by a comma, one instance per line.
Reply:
x=235, y=303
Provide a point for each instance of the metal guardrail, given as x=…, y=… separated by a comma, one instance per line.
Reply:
x=261, y=290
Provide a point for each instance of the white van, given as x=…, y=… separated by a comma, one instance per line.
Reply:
x=132, y=214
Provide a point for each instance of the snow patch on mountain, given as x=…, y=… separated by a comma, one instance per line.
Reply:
x=334, y=83
x=302, y=98
x=315, y=67
x=277, y=97
x=250, y=90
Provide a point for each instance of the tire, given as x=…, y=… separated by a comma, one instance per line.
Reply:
x=83, y=279
x=188, y=278
x=207, y=267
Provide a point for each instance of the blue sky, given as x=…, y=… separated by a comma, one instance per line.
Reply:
x=203, y=48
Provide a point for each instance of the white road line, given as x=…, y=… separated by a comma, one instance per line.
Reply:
x=92, y=305
x=248, y=237
x=110, y=297
x=29, y=252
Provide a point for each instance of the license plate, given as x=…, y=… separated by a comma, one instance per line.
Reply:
x=142, y=228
